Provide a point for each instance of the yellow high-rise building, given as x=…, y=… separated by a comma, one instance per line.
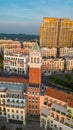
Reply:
x=65, y=33
x=56, y=32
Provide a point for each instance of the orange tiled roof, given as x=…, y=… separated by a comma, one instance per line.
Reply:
x=16, y=79
x=60, y=96
x=70, y=102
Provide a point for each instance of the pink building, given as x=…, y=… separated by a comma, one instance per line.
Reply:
x=55, y=110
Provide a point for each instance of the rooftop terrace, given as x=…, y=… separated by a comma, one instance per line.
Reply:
x=10, y=85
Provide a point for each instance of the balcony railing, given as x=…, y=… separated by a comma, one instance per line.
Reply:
x=16, y=106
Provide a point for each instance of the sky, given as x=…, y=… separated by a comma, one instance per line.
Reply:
x=25, y=16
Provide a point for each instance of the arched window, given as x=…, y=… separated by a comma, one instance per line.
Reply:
x=31, y=60
x=34, y=60
x=37, y=60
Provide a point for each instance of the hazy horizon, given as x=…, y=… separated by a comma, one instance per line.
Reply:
x=25, y=16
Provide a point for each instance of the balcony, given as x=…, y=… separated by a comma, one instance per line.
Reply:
x=15, y=105
x=69, y=123
x=45, y=111
x=58, y=108
x=63, y=113
x=63, y=126
x=58, y=111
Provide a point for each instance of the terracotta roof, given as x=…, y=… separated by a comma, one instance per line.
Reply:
x=16, y=79
x=70, y=102
x=60, y=95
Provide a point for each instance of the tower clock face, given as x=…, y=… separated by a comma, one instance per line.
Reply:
x=36, y=53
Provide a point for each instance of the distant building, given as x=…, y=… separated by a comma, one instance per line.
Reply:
x=8, y=44
x=49, y=32
x=49, y=52
x=66, y=52
x=56, y=32
x=52, y=65
x=28, y=44
x=15, y=62
x=69, y=64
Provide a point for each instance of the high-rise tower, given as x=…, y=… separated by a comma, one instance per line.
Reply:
x=49, y=32
x=56, y=32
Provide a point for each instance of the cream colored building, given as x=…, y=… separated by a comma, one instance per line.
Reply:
x=66, y=52
x=28, y=44
x=49, y=52
x=69, y=63
x=15, y=62
x=7, y=44
x=12, y=103
x=53, y=65
x=24, y=51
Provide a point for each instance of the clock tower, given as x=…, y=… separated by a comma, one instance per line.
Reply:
x=34, y=86
x=35, y=65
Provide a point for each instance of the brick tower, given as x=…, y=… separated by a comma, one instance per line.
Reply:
x=35, y=65
x=33, y=90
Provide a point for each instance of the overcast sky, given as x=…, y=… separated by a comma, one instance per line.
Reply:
x=25, y=16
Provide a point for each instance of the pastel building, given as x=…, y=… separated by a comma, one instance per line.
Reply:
x=52, y=65
x=15, y=62
x=7, y=44
x=57, y=110
x=20, y=97
x=12, y=102
x=49, y=52
x=28, y=44
x=66, y=52
x=69, y=64
x=24, y=51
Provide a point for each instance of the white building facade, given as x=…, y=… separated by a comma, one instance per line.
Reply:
x=16, y=62
x=12, y=103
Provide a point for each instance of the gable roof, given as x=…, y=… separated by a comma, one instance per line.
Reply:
x=60, y=96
